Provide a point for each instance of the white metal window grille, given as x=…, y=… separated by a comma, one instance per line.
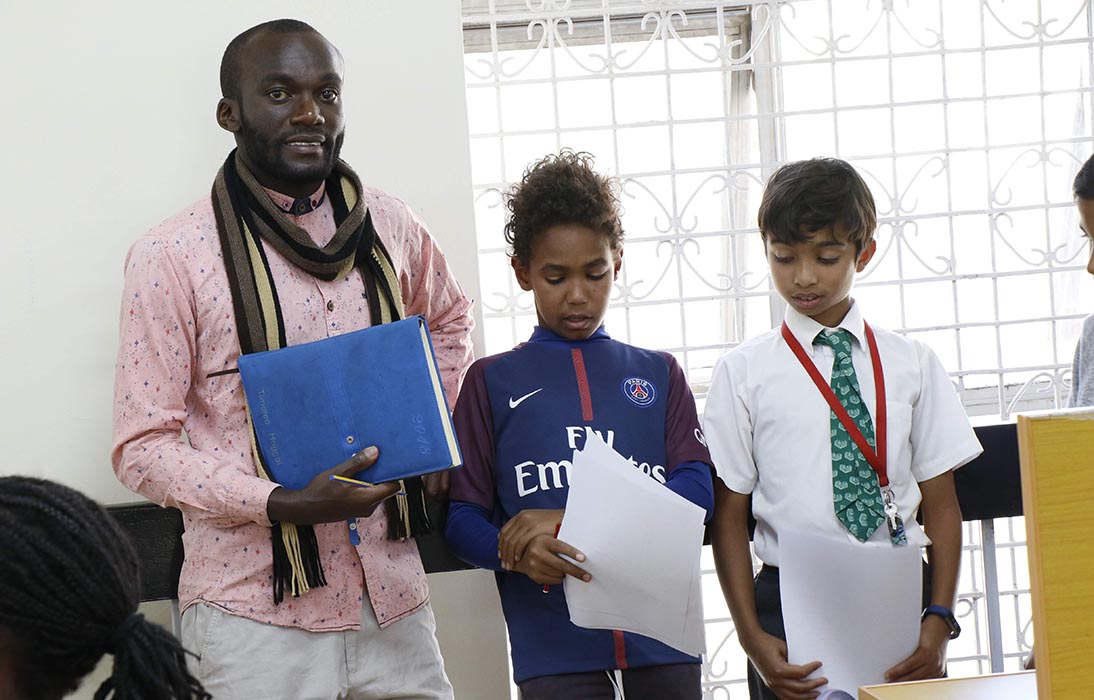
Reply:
x=968, y=119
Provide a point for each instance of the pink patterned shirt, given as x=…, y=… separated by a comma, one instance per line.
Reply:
x=178, y=329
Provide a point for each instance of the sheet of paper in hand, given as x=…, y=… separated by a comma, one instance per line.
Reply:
x=854, y=607
x=642, y=544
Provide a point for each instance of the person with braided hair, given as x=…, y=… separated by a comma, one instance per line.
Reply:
x=69, y=590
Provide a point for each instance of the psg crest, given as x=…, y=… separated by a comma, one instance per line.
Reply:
x=639, y=391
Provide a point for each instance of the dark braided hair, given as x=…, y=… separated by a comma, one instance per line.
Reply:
x=561, y=189
x=69, y=590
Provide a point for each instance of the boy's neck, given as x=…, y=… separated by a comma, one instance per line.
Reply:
x=833, y=316
x=544, y=334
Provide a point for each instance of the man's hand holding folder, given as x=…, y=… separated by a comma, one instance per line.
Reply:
x=327, y=501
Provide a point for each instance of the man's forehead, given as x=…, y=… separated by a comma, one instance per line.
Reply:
x=271, y=54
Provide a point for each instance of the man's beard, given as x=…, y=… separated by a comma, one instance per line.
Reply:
x=267, y=155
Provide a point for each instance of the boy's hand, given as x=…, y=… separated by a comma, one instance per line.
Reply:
x=929, y=658
x=516, y=534
x=768, y=655
x=542, y=563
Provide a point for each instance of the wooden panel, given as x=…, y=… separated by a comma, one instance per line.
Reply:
x=990, y=486
x=1056, y=451
x=156, y=534
x=1002, y=686
x=987, y=487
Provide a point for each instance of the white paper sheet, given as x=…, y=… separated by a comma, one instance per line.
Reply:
x=642, y=544
x=853, y=607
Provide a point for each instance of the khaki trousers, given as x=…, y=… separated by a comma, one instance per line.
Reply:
x=240, y=659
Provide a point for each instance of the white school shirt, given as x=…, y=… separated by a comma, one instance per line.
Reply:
x=768, y=427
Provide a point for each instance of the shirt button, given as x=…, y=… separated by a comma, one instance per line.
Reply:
x=330, y=306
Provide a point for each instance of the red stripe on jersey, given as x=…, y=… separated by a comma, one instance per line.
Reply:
x=582, y=385
x=620, y=650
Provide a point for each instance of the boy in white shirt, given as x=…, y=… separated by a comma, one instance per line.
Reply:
x=771, y=428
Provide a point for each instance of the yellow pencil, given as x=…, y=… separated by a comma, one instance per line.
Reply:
x=357, y=482
x=347, y=480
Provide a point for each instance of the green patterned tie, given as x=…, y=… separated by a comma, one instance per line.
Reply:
x=855, y=491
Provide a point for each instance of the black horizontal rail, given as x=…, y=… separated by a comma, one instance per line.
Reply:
x=988, y=487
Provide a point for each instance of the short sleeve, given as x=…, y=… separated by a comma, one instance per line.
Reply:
x=941, y=436
x=727, y=425
x=474, y=423
x=683, y=435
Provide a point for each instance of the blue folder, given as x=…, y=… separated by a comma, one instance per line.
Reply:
x=314, y=405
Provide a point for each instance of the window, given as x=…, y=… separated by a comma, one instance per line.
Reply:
x=649, y=96
x=968, y=119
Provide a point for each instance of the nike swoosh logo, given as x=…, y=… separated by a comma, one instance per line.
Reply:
x=513, y=403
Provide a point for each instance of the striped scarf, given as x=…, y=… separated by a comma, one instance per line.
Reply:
x=245, y=217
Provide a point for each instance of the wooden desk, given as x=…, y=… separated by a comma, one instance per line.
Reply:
x=1000, y=686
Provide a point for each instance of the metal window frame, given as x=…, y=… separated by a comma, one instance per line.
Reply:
x=994, y=549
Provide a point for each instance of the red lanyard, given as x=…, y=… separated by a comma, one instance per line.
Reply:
x=876, y=459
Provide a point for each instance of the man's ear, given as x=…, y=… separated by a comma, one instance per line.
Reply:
x=228, y=115
x=618, y=258
x=865, y=256
x=524, y=278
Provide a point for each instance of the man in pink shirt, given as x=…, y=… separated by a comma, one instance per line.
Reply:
x=336, y=257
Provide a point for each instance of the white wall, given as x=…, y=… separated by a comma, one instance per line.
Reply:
x=106, y=115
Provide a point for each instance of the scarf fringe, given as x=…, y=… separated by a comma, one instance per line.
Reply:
x=407, y=516
x=296, y=564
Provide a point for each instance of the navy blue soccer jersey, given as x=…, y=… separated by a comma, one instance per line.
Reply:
x=519, y=418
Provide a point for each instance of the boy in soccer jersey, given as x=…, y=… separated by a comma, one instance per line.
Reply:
x=771, y=430
x=520, y=416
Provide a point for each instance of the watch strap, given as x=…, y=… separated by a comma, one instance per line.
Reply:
x=947, y=615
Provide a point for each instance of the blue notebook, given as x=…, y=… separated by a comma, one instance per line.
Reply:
x=315, y=405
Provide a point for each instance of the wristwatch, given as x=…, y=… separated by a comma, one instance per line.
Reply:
x=947, y=615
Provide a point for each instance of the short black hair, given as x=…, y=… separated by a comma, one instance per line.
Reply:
x=1083, y=187
x=229, y=63
x=69, y=590
x=561, y=189
x=808, y=195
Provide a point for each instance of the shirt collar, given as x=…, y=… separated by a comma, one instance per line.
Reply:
x=805, y=329
x=298, y=206
x=546, y=335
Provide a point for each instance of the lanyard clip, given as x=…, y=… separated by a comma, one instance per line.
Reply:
x=892, y=518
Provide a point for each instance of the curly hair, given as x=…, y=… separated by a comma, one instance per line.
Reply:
x=561, y=189
x=69, y=590
x=808, y=195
